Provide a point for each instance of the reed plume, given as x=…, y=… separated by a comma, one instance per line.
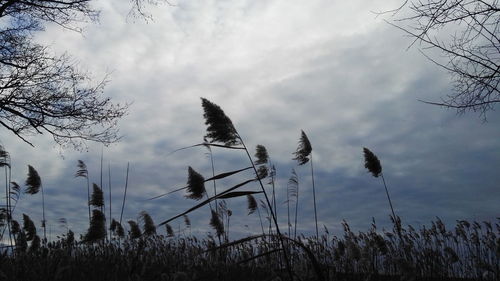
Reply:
x=97, y=199
x=303, y=154
x=293, y=189
x=217, y=224
x=84, y=173
x=29, y=228
x=170, y=231
x=262, y=172
x=148, y=224
x=97, y=228
x=33, y=186
x=120, y=232
x=373, y=165
x=303, y=150
x=135, y=231
x=33, y=181
x=21, y=243
x=35, y=244
x=261, y=155
x=252, y=204
x=195, y=185
x=117, y=229
x=4, y=157
x=187, y=221
x=15, y=227
x=220, y=128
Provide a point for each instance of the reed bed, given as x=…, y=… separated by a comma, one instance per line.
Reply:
x=469, y=251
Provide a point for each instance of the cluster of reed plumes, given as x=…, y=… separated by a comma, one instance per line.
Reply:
x=469, y=251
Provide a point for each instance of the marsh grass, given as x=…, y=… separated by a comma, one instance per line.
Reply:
x=469, y=251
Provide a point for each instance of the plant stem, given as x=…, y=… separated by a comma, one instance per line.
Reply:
x=314, y=198
x=124, y=193
x=7, y=199
x=88, y=194
x=289, y=269
x=213, y=175
x=109, y=185
x=44, y=224
x=388, y=197
x=296, y=210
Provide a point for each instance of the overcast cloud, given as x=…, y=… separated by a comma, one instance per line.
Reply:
x=331, y=68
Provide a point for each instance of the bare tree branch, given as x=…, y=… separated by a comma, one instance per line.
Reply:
x=467, y=33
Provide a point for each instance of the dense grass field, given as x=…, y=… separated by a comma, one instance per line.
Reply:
x=470, y=251
x=152, y=251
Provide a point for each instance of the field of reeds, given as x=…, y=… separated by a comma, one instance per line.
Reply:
x=144, y=250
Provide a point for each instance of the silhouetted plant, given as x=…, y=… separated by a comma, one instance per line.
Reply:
x=303, y=150
x=303, y=154
x=373, y=165
x=261, y=154
x=84, y=173
x=149, y=227
x=135, y=231
x=70, y=238
x=293, y=190
x=33, y=186
x=29, y=228
x=219, y=127
x=15, y=227
x=216, y=223
x=97, y=199
x=7, y=209
x=195, y=185
x=170, y=231
x=21, y=243
x=35, y=244
x=117, y=229
x=97, y=228
x=33, y=181
x=252, y=204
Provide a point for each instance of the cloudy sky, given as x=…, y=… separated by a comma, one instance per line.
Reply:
x=331, y=68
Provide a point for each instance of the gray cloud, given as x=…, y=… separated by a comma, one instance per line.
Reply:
x=332, y=69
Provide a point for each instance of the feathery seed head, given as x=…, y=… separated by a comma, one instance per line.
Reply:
x=170, y=231
x=372, y=163
x=97, y=199
x=261, y=154
x=97, y=229
x=252, y=204
x=82, y=169
x=303, y=150
x=196, y=185
x=35, y=244
x=220, y=128
x=135, y=231
x=15, y=227
x=262, y=172
x=33, y=182
x=216, y=223
x=29, y=228
x=148, y=224
x=187, y=221
x=4, y=157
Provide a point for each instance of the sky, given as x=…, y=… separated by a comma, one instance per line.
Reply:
x=334, y=69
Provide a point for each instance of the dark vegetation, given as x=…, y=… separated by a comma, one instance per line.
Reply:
x=149, y=251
